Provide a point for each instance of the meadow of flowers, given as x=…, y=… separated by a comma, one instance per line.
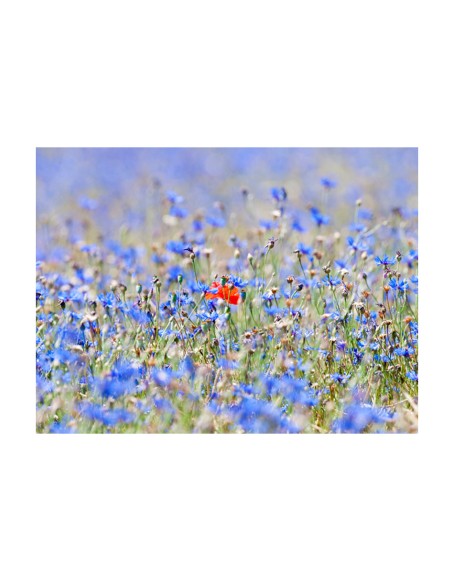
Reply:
x=227, y=291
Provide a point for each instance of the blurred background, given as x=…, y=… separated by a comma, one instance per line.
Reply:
x=125, y=190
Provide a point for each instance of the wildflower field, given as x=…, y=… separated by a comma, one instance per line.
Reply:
x=227, y=291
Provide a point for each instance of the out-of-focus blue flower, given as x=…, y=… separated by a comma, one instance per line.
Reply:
x=114, y=387
x=43, y=387
x=404, y=352
x=357, y=417
x=197, y=225
x=178, y=212
x=340, y=263
x=295, y=390
x=318, y=217
x=412, y=375
x=106, y=416
x=340, y=378
x=176, y=246
x=174, y=198
x=411, y=258
x=365, y=214
x=328, y=183
x=187, y=368
x=267, y=224
x=159, y=259
x=88, y=203
x=257, y=416
x=173, y=272
x=163, y=377
x=279, y=194
x=61, y=427
x=357, y=226
x=296, y=225
x=216, y=221
x=228, y=364
x=164, y=405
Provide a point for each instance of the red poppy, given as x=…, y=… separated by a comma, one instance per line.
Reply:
x=217, y=291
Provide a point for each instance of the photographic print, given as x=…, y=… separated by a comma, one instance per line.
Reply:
x=227, y=290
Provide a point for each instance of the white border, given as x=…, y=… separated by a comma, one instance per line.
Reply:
x=236, y=74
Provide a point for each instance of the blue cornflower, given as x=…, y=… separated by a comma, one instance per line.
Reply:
x=267, y=224
x=187, y=368
x=198, y=287
x=163, y=404
x=159, y=259
x=385, y=261
x=228, y=364
x=296, y=225
x=412, y=375
x=405, y=352
x=258, y=416
x=248, y=389
x=176, y=246
x=411, y=258
x=365, y=214
x=330, y=281
x=401, y=286
x=318, y=217
x=174, y=198
x=341, y=379
x=108, y=417
x=328, y=183
x=178, y=212
x=279, y=194
x=61, y=427
x=204, y=316
x=341, y=345
x=108, y=300
x=89, y=249
x=340, y=263
x=269, y=296
x=238, y=282
x=357, y=417
x=173, y=271
x=197, y=225
x=356, y=244
x=43, y=386
x=216, y=221
x=303, y=249
x=115, y=387
x=357, y=226
x=357, y=356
